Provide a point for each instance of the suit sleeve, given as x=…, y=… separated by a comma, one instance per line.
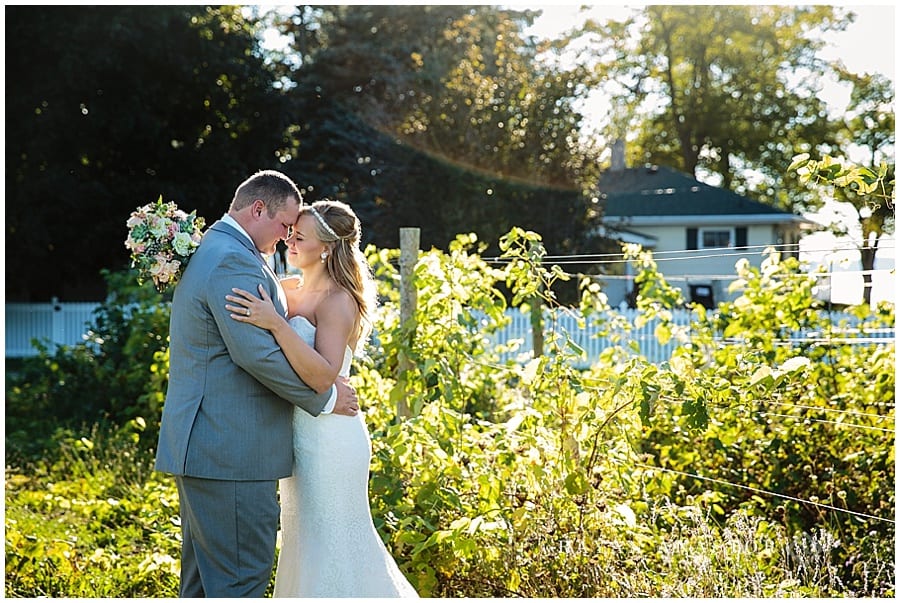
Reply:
x=252, y=348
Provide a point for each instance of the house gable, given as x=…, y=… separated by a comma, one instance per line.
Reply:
x=660, y=195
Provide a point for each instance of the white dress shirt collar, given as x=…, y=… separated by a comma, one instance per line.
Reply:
x=229, y=220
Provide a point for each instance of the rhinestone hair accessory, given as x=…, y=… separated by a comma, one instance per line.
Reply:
x=324, y=224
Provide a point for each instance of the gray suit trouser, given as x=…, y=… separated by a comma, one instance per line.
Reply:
x=229, y=530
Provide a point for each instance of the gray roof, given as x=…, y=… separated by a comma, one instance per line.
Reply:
x=662, y=191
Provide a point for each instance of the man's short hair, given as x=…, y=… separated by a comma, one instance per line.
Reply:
x=271, y=186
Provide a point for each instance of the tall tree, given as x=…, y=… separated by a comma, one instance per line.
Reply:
x=391, y=184
x=370, y=88
x=868, y=128
x=455, y=81
x=870, y=124
x=110, y=107
x=724, y=91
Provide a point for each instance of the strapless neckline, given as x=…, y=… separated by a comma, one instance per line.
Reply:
x=307, y=331
x=303, y=318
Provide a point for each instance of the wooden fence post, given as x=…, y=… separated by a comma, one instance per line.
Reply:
x=537, y=326
x=409, y=255
x=536, y=254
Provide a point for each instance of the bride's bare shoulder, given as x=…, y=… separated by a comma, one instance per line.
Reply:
x=337, y=305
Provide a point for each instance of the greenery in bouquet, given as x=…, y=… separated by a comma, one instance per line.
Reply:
x=162, y=238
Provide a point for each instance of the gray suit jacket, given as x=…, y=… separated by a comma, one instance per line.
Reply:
x=231, y=390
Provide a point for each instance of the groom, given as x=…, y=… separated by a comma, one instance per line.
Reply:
x=226, y=424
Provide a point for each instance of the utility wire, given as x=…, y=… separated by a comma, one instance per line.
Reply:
x=504, y=368
x=678, y=401
x=594, y=262
x=766, y=492
x=724, y=251
x=775, y=414
x=831, y=340
x=663, y=260
x=685, y=277
x=887, y=338
x=759, y=491
x=826, y=409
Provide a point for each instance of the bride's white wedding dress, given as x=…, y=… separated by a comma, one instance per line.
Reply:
x=330, y=547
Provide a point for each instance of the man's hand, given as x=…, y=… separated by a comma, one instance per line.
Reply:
x=346, y=403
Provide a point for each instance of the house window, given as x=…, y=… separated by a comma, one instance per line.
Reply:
x=710, y=238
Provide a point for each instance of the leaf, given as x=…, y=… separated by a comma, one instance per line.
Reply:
x=627, y=514
x=794, y=364
x=576, y=482
x=514, y=422
x=737, y=284
x=513, y=581
x=695, y=413
x=762, y=376
x=530, y=370
x=574, y=347
x=798, y=160
x=474, y=525
x=647, y=403
x=663, y=333
x=570, y=445
x=460, y=523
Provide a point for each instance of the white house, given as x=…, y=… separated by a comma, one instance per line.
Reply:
x=696, y=232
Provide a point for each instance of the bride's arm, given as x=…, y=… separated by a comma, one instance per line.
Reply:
x=318, y=367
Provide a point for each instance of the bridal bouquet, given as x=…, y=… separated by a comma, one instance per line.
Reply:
x=162, y=239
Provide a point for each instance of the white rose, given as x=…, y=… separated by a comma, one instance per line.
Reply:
x=182, y=243
x=159, y=227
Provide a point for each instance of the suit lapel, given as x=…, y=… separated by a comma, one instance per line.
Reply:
x=226, y=228
x=282, y=297
x=281, y=302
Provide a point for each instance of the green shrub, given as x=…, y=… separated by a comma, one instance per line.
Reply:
x=578, y=484
x=119, y=373
x=809, y=420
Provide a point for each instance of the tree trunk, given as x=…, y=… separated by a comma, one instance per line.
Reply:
x=867, y=253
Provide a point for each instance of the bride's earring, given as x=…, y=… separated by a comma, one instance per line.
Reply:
x=324, y=256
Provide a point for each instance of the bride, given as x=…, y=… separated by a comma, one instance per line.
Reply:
x=330, y=547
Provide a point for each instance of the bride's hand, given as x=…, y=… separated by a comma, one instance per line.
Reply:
x=246, y=307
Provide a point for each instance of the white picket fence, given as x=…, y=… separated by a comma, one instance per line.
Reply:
x=55, y=323
x=58, y=323
x=564, y=325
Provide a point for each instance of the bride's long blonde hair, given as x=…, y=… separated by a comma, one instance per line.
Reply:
x=337, y=223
